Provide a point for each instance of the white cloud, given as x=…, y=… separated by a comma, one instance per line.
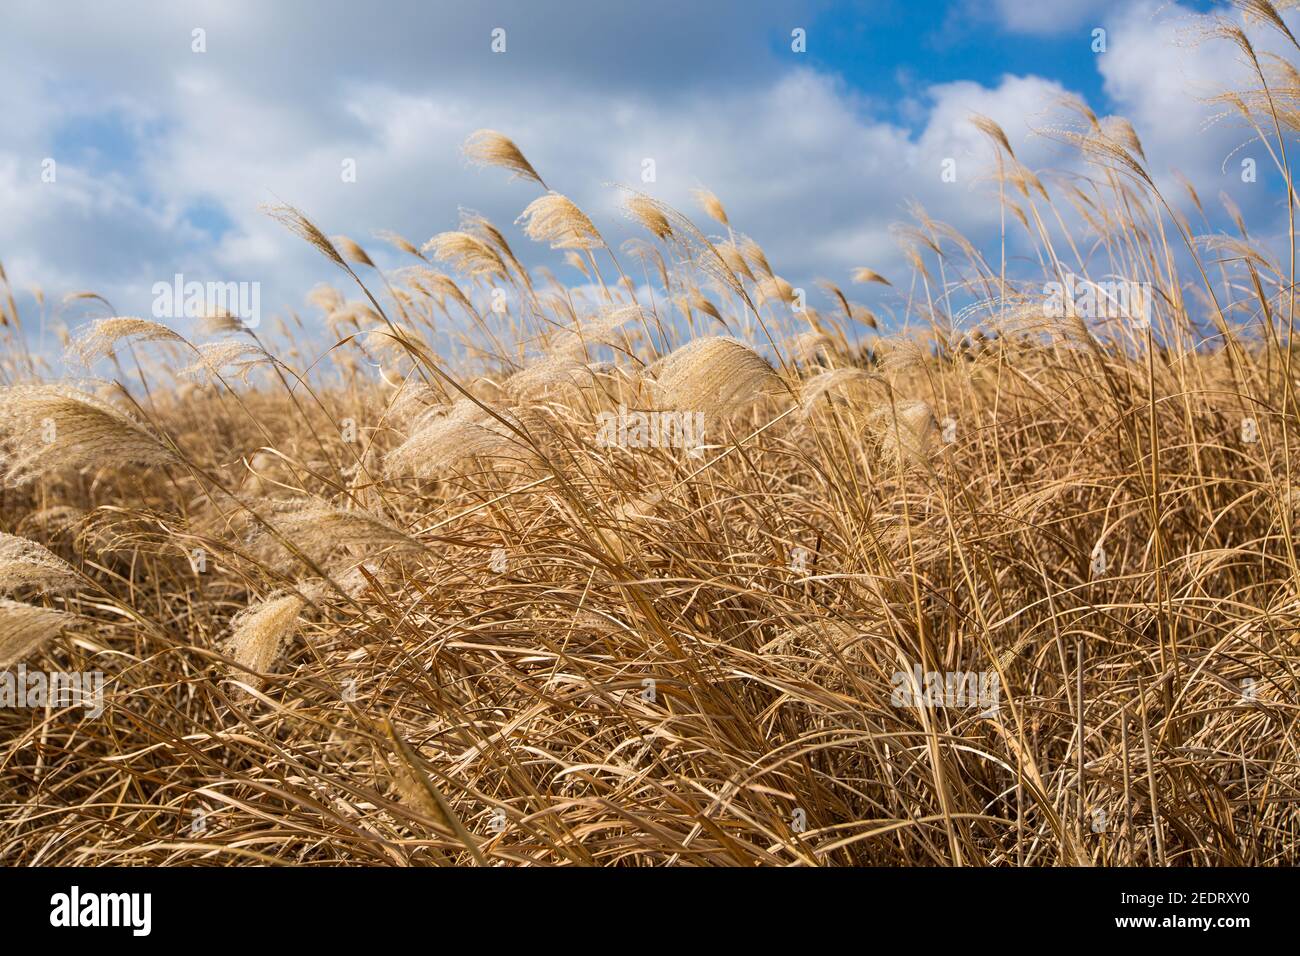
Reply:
x=803, y=164
x=1046, y=17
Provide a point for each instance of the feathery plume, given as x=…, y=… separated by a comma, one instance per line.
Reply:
x=595, y=332
x=258, y=633
x=648, y=213
x=53, y=426
x=734, y=260
x=438, y=286
x=990, y=128
x=352, y=251
x=27, y=564
x=413, y=399
x=300, y=225
x=712, y=205
x=54, y=519
x=1121, y=131
x=537, y=378
x=99, y=339
x=221, y=323
x=238, y=357
x=325, y=297
x=467, y=254
x=321, y=530
x=701, y=304
x=840, y=385
x=712, y=375
x=487, y=147
x=399, y=242
x=481, y=226
x=908, y=431
x=755, y=256
x=863, y=274
x=812, y=345
x=395, y=343
x=465, y=431
x=775, y=288
x=25, y=628
x=555, y=219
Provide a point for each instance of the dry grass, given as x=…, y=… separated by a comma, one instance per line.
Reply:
x=427, y=618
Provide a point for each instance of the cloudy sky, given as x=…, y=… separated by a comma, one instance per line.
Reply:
x=163, y=154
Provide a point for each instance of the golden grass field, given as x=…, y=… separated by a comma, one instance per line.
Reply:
x=380, y=602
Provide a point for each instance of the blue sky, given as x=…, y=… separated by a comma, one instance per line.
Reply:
x=164, y=154
x=891, y=50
